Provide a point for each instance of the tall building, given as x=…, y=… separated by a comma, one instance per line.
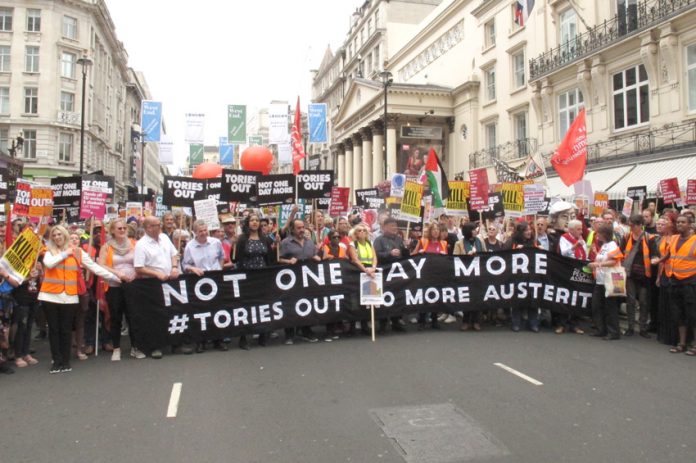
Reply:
x=46, y=46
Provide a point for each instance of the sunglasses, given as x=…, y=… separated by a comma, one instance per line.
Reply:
x=335, y=237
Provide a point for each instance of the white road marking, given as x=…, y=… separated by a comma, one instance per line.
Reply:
x=174, y=401
x=520, y=374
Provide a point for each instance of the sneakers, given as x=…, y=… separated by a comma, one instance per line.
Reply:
x=449, y=319
x=66, y=369
x=289, y=342
x=309, y=337
x=21, y=363
x=156, y=354
x=54, y=369
x=81, y=356
x=116, y=355
x=135, y=353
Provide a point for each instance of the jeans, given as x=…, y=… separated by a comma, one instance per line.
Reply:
x=60, y=319
x=605, y=312
x=638, y=293
x=23, y=317
x=115, y=298
x=532, y=317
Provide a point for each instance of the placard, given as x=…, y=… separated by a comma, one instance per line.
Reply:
x=478, y=199
x=182, y=191
x=534, y=201
x=134, y=209
x=206, y=210
x=4, y=175
x=96, y=192
x=627, y=207
x=312, y=184
x=239, y=185
x=19, y=258
x=276, y=189
x=600, y=203
x=66, y=198
x=371, y=289
x=398, y=182
x=213, y=189
x=513, y=199
x=22, y=199
x=340, y=201
x=410, y=210
x=691, y=192
x=495, y=208
x=637, y=192
x=361, y=195
x=670, y=190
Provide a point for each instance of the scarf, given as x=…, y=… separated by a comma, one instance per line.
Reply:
x=120, y=249
x=580, y=250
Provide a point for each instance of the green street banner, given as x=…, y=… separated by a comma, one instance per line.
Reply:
x=236, y=124
x=195, y=155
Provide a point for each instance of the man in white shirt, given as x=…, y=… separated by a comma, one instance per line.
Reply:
x=155, y=256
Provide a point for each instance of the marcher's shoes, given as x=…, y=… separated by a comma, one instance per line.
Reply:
x=137, y=354
x=54, y=369
x=644, y=334
x=66, y=368
x=629, y=332
x=116, y=355
x=614, y=337
x=243, y=343
x=156, y=354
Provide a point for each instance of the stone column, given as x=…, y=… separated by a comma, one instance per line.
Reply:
x=367, y=181
x=391, y=149
x=377, y=152
x=340, y=165
x=357, y=161
x=348, y=163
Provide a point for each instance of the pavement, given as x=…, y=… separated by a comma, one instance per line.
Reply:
x=432, y=396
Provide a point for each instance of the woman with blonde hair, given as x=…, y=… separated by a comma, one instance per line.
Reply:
x=116, y=255
x=363, y=255
x=63, y=262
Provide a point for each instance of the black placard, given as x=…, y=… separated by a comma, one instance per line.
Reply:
x=66, y=198
x=182, y=191
x=4, y=175
x=360, y=196
x=239, y=186
x=276, y=189
x=312, y=184
x=637, y=192
x=213, y=188
x=495, y=207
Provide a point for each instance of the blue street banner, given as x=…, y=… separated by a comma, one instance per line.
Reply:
x=226, y=152
x=151, y=120
x=317, y=123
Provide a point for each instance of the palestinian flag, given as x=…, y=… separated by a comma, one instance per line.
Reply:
x=437, y=180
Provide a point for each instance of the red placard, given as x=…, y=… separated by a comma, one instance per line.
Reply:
x=340, y=201
x=691, y=192
x=478, y=184
x=22, y=199
x=670, y=190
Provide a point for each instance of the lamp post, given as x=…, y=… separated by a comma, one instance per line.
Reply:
x=387, y=80
x=85, y=63
x=17, y=144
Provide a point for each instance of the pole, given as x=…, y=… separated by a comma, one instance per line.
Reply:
x=142, y=168
x=82, y=120
x=384, y=155
x=96, y=319
x=372, y=320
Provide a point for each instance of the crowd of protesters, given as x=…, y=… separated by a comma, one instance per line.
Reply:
x=80, y=267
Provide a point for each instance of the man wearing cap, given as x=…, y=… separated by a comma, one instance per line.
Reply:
x=229, y=226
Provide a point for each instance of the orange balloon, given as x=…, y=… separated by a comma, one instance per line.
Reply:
x=207, y=170
x=257, y=158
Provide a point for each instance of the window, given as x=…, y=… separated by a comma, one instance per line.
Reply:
x=67, y=65
x=29, y=147
x=4, y=100
x=520, y=126
x=5, y=59
x=489, y=33
x=67, y=101
x=69, y=27
x=31, y=100
x=490, y=84
x=518, y=72
x=32, y=59
x=691, y=75
x=6, y=19
x=33, y=20
x=568, y=32
x=569, y=105
x=65, y=147
x=627, y=13
x=375, y=60
x=631, y=97
x=4, y=140
x=369, y=26
x=376, y=18
x=491, y=135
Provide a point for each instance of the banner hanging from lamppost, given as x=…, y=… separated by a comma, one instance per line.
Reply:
x=151, y=120
x=226, y=151
x=166, y=150
x=195, y=123
x=236, y=124
x=195, y=155
x=278, y=124
x=317, y=123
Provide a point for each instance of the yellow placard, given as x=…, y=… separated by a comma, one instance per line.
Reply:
x=459, y=191
x=41, y=203
x=19, y=259
x=600, y=202
x=513, y=198
x=411, y=202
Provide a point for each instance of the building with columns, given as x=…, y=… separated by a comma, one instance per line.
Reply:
x=41, y=44
x=486, y=87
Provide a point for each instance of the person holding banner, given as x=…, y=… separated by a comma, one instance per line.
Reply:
x=253, y=250
x=573, y=246
x=605, y=310
x=523, y=237
x=362, y=254
x=390, y=248
x=332, y=251
x=58, y=293
x=469, y=245
x=666, y=327
x=431, y=244
x=117, y=256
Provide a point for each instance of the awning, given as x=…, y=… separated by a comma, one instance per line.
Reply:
x=650, y=174
x=601, y=181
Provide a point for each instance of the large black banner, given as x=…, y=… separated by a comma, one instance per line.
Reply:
x=312, y=184
x=182, y=191
x=239, y=186
x=233, y=303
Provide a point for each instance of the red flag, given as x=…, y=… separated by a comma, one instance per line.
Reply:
x=571, y=158
x=298, y=152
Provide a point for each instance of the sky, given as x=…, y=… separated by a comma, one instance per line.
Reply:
x=201, y=56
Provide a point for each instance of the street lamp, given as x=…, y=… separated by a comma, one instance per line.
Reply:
x=85, y=63
x=17, y=144
x=387, y=80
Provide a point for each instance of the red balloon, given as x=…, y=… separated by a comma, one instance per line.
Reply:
x=207, y=170
x=257, y=158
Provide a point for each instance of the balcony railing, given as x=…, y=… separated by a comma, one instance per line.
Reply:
x=655, y=141
x=510, y=151
x=645, y=14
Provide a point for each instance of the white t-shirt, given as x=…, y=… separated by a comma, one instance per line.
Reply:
x=154, y=254
x=606, y=252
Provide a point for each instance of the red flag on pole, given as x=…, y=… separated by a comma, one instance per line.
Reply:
x=298, y=152
x=571, y=158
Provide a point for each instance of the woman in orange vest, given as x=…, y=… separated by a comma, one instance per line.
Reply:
x=335, y=249
x=431, y=244
x=666, y=327
x=116, y=255
x=58, y=293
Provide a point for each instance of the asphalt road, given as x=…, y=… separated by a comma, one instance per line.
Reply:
x=415, y=397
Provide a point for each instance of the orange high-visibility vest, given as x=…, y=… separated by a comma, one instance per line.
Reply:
x=62, y=277
x=646, y=251
x=424, y=242
x=110, y=260
x=341, y=252
x=683, y=260
x=666, y=265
